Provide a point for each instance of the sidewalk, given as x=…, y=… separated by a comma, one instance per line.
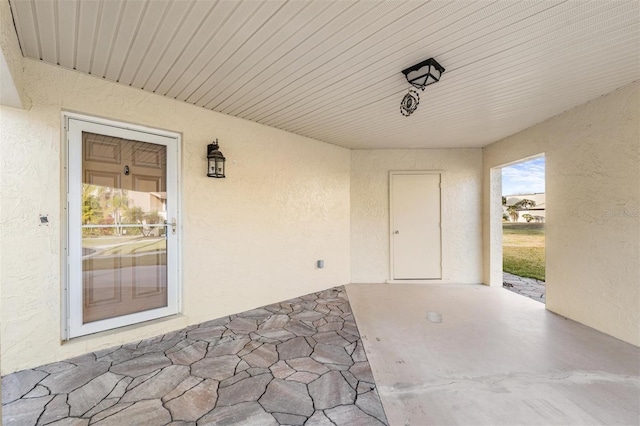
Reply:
x=528, y=287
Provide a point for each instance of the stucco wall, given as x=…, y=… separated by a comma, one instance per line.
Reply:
x=11, y=80
x=592, y=217
x=461, y=210
x=248, y=240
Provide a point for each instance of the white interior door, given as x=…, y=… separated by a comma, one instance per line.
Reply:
x=122, y=226
x=415, y=226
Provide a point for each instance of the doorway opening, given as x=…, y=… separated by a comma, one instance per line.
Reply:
x=523, y=232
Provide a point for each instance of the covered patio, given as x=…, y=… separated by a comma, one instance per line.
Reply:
x=182, y=178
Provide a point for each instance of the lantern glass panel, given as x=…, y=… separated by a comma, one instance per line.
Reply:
x=420, y=82
x=219, y=167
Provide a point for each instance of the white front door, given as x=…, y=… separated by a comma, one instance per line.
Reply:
x=415, y=226
x=122, y=226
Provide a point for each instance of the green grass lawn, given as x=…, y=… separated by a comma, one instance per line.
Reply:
x=523, y=249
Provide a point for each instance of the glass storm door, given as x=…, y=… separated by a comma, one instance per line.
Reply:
x=122, y=227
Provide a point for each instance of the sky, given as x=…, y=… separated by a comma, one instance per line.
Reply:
x=523, y=178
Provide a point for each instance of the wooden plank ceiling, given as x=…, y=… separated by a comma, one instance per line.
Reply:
x=331, y=69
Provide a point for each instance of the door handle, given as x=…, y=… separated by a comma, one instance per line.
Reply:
x=173, y=224
x=397, y=232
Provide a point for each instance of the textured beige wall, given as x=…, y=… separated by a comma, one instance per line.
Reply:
x=593, y=204
x=248, y=240
x=461, y=210
x=10, y=50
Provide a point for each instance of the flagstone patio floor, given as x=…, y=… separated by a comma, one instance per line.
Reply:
x=299, y=362
x=529, y=287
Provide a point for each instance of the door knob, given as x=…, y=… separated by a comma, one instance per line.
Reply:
x=397, y=232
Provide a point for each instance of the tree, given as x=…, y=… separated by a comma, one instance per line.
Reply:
x=91, y=210
x=513, y=213
x=134, y=215
x=153, y=217
x=514, y=209
x=119, y=201
x=527, y=217
x=525, y=204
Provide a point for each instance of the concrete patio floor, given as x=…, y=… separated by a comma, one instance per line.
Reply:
x=445, y=354
x=296, y=362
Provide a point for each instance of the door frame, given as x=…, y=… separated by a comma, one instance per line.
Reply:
x=391, y=279
x=71, y=326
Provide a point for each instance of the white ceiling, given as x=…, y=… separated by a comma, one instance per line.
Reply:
x=331, y=70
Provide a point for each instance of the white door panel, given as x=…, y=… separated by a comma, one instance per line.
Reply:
x=415, y=226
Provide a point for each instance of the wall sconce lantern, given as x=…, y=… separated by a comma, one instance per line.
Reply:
x=419, y=76
x=215, y=161
x=423, y=74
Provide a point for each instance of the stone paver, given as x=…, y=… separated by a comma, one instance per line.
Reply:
x=246, y=414
x=294, y=348
x=189, y=354
x=350, y=415
x=246, y=390
x=264, y=356
x=73, y=378
x=330, y=354
x=529, y=287
x=370, y=403
x=219, y=368
x=19, y=384
x=298, y=362
x=331, y=390
x=287, y=397
x=159, y=385
x=24, y=411
x=148, y=412
x=57, y=409
x=319, y=419
x=142, y=365
x=86, y=397
x=194, y=403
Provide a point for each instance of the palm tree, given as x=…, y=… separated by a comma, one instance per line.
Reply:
x=119, y=201
x=91, y=209
x=513, y=213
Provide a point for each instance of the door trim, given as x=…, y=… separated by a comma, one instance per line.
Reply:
x=391, y=279
x=73, y=327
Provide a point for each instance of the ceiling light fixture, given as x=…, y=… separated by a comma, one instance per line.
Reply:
x=423, y=74
x=419, y=76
